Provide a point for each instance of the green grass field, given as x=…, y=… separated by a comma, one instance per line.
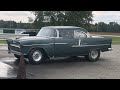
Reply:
x=3, y=42
x=115, y=40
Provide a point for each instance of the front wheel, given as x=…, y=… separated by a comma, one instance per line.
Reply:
x=36, y=56
x=93, y=55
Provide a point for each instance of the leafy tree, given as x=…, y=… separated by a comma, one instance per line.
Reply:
x=102, y=26
x=13, y=24
x=72, y=18
x=8, y=24
x=30, y=19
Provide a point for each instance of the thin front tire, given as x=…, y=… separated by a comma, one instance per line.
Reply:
x=36, y=56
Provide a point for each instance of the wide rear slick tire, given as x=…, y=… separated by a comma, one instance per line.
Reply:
x=93, y=55
x=36, y=56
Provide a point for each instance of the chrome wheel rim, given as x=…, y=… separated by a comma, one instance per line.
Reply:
x=94, y=54
x=37, y=55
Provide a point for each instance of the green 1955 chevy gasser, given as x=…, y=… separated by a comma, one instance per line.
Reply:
x=59, y=41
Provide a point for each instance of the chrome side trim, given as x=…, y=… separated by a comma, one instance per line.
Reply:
x=89, y=45
x=61, y=43
x=37, y=44
x=44, y=44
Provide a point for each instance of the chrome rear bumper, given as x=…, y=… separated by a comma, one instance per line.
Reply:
x=110, y=49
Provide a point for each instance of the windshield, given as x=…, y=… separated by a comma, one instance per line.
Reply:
x=47, y=33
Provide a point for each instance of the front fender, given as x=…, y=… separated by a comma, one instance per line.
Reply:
x=47, y=48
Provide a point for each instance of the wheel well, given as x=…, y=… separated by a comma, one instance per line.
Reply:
x=43, y=51
x=95, y=48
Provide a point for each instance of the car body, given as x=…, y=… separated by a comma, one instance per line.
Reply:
x=59, y=41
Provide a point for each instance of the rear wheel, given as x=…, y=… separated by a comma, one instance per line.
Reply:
x=93, y=55
x=36, y=56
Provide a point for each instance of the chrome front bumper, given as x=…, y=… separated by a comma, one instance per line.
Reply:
x=15, y=52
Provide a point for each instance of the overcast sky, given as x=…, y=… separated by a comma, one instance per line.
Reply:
x=103, y=16
x=16, y=15
x=106, y=16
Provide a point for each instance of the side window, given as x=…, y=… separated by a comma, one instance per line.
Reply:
x=79, y=34
x=66, y=33
x=52, y=33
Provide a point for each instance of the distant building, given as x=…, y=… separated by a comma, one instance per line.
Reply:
x=19, y=31
x=7, y=30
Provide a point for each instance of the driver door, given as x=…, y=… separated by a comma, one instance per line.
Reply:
x=69, y=45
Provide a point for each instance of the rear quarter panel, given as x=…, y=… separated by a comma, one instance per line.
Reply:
x=100, y=43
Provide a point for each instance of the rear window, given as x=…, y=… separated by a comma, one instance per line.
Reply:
x=72, y=34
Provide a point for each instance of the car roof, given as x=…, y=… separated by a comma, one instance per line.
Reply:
x=63, y=27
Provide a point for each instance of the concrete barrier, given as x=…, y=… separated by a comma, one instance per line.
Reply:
x=7, y=36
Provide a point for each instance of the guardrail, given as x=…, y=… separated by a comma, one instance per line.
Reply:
x=7, y=36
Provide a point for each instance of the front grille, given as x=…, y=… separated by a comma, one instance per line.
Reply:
x=14, y=48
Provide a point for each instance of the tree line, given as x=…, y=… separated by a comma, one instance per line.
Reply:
x=73, y=18
x=104, y=27
x=63, y=18
x=13, y=24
